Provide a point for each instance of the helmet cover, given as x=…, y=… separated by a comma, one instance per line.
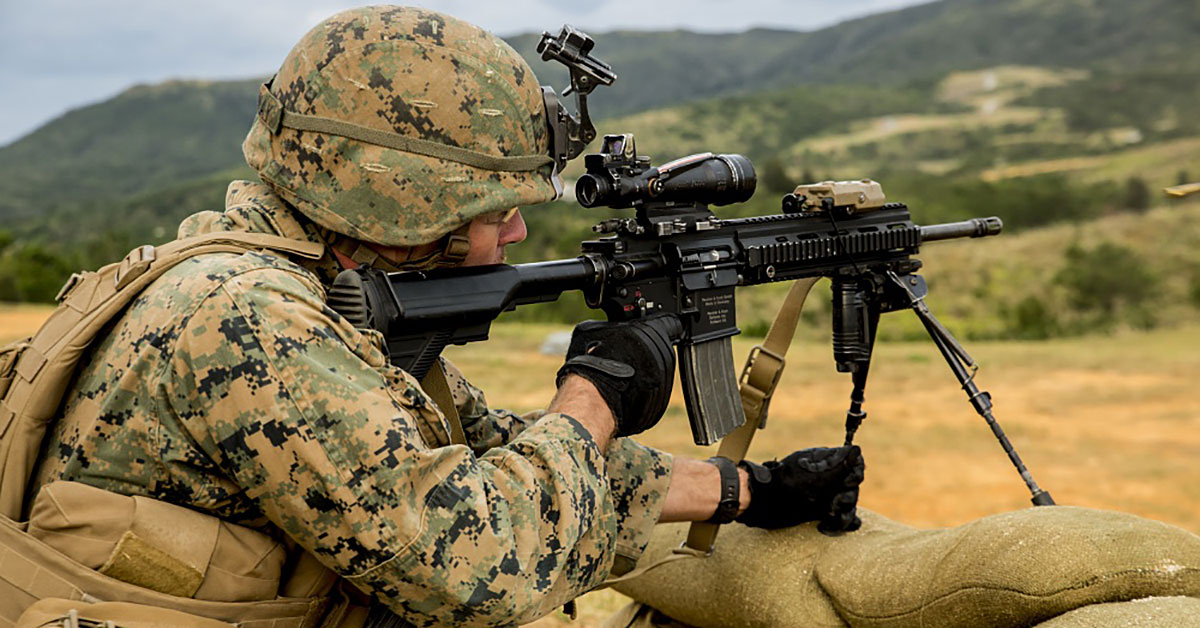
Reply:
x=426, y=78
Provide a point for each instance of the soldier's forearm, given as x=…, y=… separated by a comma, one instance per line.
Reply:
x=578, y=398
x=695, y=491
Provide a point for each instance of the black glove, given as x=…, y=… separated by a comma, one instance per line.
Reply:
x=808, y=485
x=632, y=364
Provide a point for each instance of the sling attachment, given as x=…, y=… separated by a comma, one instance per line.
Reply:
x=756, y=394
x=763, y=369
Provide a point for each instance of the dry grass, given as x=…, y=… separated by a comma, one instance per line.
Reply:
x=1157, y=163
x=18, y=320
x=1110, y=422
x=1002, y=82
x=884, y=127
x=1106, y=422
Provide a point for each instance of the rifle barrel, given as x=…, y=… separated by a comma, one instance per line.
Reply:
x=973, y=228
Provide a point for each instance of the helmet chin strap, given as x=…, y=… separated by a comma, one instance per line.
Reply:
x=451, y=251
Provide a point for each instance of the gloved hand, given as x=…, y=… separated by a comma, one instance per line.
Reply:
x=632, y=364
x=808, y=485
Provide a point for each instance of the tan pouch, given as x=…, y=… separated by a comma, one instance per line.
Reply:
x=156, y=545
x=9, y=355
x=60, y=613
x=31, y=570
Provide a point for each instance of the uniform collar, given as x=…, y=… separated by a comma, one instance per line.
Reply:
x=253, y=207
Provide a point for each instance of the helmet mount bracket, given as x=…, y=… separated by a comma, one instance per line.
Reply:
x=570, y=133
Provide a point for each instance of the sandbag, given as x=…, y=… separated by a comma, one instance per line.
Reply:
x=1012, y=569
x=753, y=579
x=1150, y=612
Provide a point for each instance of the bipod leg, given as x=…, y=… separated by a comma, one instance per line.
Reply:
x=855, y=414
x=959, y=362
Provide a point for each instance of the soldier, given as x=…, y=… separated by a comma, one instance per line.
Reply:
x=231, y=388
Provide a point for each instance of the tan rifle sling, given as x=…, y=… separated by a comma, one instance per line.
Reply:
x=35, y=372
x=764, y=367
x=759, y=378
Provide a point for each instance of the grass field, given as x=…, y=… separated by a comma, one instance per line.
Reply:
x=1110, y=422
x=1107, y=422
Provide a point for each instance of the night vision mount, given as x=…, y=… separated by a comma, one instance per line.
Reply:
x=569, y=134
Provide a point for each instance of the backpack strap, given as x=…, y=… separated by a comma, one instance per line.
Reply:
x=40, y=368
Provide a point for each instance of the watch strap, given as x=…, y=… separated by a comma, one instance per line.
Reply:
x=731, y=487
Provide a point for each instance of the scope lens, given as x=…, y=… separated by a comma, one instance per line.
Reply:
x=590, y=190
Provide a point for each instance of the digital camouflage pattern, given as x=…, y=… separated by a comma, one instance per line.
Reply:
x=230, y=387
x=415, y=73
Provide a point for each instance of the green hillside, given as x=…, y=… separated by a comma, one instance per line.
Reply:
x=913, y=45
x=1042, y=113
x=145, y=138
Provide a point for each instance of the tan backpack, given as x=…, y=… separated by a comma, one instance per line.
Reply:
x=35, y=371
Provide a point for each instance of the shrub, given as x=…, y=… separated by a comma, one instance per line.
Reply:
x=1031, y=319
x=1137, y=194
x=1107, y=279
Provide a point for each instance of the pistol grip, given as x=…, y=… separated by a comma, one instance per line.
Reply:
x=710, y=389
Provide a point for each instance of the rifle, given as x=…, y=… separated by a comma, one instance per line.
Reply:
x=675, y=256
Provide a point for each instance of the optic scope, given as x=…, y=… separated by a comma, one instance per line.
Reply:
x=618, y=177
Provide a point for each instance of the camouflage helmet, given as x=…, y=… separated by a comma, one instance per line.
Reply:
x=398, y=125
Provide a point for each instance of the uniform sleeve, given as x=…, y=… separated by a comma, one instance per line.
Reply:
x=638, y=480
x=638, y=475
x=303, y=412
x=484, y=427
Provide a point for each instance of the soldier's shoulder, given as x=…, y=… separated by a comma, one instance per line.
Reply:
x=214, y=270
x=180, y=291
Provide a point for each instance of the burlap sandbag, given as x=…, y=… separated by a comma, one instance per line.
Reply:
x=1012, y=569
x=1151, y=612
x=753, y=579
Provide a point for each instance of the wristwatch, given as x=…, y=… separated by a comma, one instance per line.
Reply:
x=731, y=487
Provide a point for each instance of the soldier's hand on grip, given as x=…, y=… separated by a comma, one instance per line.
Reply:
x=818, y=484
x=632, y=365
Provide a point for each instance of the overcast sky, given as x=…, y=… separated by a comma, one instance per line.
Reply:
x=56, y=55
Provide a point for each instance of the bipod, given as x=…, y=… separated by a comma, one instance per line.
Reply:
x=960, y=361
x=855, y=320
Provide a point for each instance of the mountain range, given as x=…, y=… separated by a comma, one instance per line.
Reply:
x=1069, y=79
